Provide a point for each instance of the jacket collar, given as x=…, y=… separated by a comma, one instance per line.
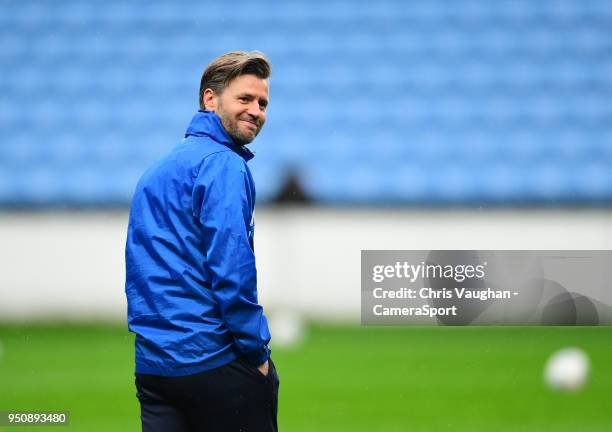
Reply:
x=208, y=123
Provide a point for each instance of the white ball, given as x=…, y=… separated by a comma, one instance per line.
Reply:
x=567, y=369
x=287, y=328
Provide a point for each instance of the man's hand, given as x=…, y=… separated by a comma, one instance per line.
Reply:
x=263, y=368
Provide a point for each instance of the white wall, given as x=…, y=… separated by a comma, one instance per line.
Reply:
x=70, y=265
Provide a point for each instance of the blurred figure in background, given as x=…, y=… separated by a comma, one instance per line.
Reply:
x=202, y=356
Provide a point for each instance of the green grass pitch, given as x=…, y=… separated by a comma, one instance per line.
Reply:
x=341, y=379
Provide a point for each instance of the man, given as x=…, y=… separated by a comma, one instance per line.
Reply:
x=202, y=356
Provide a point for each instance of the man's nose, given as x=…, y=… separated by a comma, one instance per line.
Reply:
x=254, y=109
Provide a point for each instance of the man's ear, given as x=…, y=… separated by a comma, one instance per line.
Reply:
x=209, y=99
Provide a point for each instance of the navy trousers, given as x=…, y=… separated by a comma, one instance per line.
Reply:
x=234, y=397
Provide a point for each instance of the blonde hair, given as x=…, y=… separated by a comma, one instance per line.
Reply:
x=225, y=68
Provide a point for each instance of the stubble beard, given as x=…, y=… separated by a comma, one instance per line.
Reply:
x=233, y=129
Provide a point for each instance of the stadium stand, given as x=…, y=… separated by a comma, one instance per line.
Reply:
x=425, y=102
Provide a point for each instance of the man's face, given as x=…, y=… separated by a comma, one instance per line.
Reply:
x=241, y=107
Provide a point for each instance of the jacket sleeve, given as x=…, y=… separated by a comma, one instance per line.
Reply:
x=223, y=203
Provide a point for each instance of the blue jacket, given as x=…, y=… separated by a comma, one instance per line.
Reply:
x=191, y=282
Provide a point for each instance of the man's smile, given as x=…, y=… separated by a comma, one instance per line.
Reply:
x=250, y=123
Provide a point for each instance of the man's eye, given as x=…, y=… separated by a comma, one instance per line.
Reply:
x=243, y=99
